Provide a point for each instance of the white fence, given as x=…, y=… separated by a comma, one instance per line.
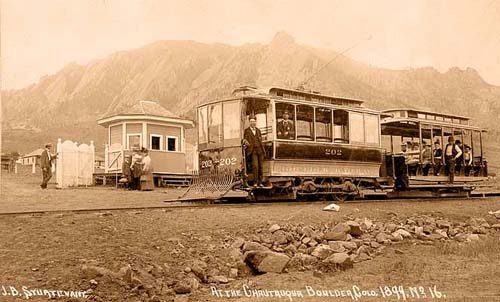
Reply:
x=75, y=164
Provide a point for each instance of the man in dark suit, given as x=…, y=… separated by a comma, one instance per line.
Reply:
x=254, y=150
x=46, y=160
x=285, y=127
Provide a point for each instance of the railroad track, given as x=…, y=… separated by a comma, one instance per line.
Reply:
x=240, y=204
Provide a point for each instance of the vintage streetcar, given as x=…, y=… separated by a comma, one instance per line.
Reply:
x=329, y=147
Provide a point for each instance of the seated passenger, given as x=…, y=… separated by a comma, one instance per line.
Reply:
x=426, y=159
x=285, y=128
x=467, y=159
x=413, y=158
x=438, y=158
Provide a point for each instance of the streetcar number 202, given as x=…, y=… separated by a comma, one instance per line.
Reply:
x=229, y=161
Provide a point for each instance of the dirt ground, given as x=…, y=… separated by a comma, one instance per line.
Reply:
x=22, y=192
x=49, y=251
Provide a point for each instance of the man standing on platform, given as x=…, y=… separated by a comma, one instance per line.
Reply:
x=46, y=165
x=254, y=150
x=451, y=153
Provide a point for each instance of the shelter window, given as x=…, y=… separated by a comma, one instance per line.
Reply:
x=215, y=123
x=357, y=127
x=323, y=125
x=421, y=116
x=372, y=129
x=232, y=120
x=305, y=125
x=285, y=125
x=155, y=141
x=202, y=125
x=134, y=140
x=172, y=143
x=341, y=126
x=412, y=114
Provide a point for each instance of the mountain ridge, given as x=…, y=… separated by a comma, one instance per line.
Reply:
x=182, y=74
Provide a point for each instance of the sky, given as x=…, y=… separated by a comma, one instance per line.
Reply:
x=39, y=37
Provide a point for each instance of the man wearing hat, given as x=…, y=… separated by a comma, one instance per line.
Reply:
x=451, y=153
x=136, y=167
x=438, y=158
x=254, y=150
x=426, y=159
x=285, y=127
x=127, y=171
x=46, y=165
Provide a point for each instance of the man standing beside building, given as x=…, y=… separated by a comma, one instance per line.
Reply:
x=254, y=150
x=46, y=165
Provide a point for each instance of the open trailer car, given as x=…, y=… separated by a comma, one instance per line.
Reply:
x=402, y=128
x=334, y=149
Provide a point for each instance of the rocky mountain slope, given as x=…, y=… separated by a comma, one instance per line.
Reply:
x=181, y=74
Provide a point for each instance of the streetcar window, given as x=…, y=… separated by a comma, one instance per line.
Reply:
x=232, y=120
x=215, y=123
x=426, y=132
x=202, y=125
x=447, y=133
x=372, y=129
x=437, y=136
x=357, y=127
x=285, y=121
x=467, y=138
x=341, y=126
x=412, y=114
x=261, y=110
x=476, y=144
x=323, y=125
x=305, y=125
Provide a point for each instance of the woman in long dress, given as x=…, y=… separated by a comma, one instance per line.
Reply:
x=147, y=183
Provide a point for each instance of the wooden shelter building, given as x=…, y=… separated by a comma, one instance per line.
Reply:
x=146, y=124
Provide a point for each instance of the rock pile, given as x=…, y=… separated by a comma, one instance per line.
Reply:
x=338, y=246
x=277, y=249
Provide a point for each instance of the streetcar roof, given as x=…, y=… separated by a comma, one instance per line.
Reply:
x=295, y=96
x=394, y=125
x=427, y=112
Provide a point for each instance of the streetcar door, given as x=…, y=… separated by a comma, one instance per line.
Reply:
x=261, y=109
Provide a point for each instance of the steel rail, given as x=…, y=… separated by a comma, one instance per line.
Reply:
x=206, y=203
